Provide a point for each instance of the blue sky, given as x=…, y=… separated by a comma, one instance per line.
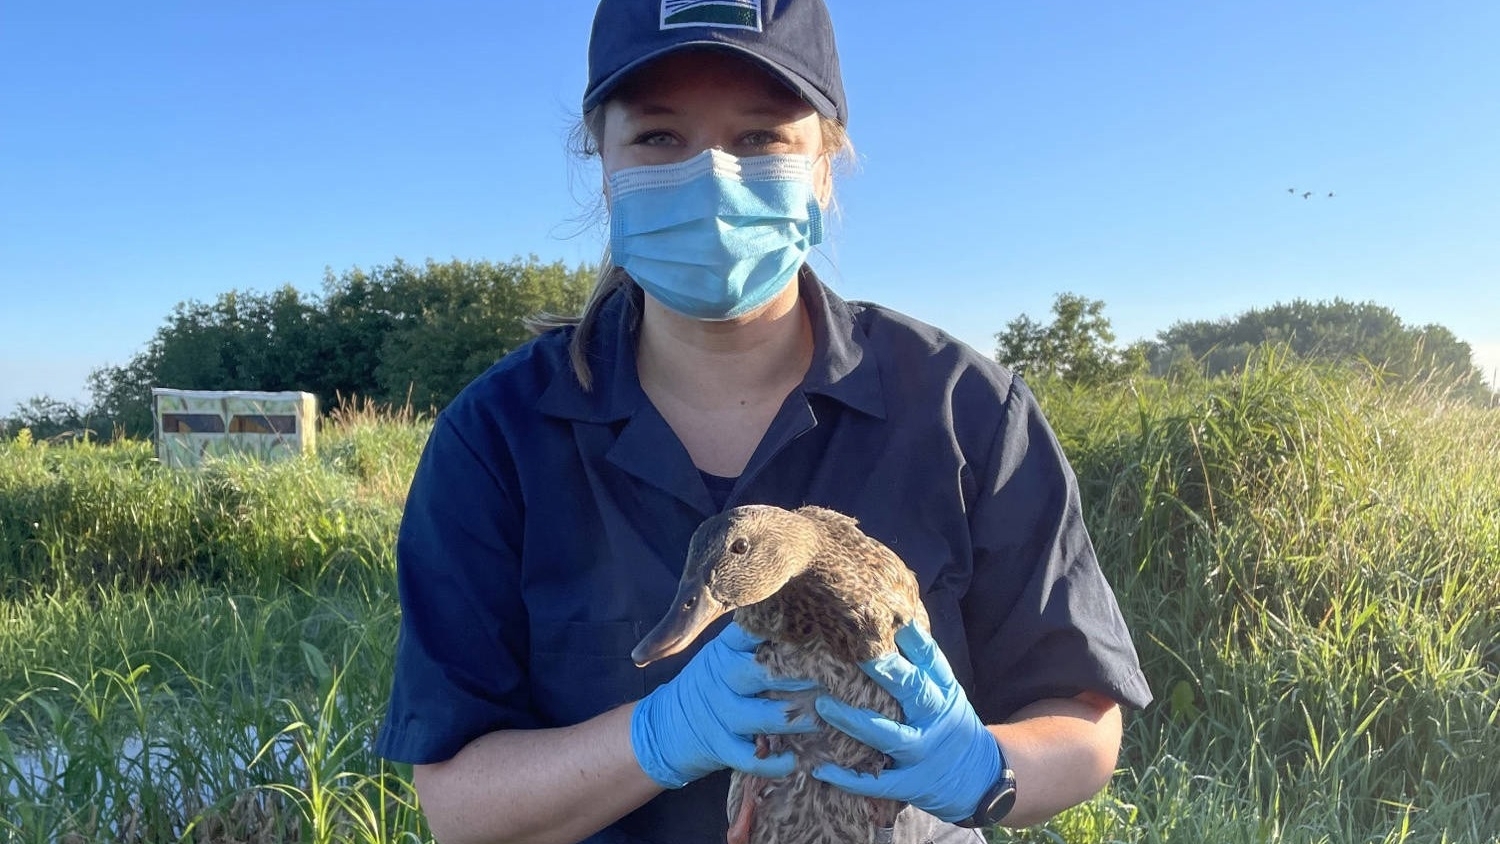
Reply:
x=1139, y=153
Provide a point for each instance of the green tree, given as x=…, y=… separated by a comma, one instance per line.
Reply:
x=458, y=319
x=352, y=325
x=1362, y=333
x=392, y=333
x=122, y=394
x=241, y=341
x=1078, y=345
x=47, y=417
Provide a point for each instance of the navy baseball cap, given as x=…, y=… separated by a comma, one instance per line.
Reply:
x=792, y=38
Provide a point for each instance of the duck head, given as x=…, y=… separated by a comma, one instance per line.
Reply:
x=736, y=558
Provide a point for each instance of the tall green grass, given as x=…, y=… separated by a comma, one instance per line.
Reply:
x=83, y=515
x=197, y=712
x=201, y=655
x=1310, y=564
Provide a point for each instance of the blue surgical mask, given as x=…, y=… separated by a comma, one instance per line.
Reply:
x=715, y=237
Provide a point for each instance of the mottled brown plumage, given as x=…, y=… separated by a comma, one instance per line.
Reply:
x=825, y=596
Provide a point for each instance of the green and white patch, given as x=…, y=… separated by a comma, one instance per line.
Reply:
x=727, y=14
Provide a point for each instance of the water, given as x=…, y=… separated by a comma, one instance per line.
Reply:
x=189, y=778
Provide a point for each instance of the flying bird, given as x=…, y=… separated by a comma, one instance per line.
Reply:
x=825, y=596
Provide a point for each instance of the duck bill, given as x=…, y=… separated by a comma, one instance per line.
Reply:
x=693, y=610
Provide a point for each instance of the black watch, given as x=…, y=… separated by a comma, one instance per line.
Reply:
x=996, y=802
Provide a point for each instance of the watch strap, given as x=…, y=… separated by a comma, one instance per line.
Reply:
x=996, y=802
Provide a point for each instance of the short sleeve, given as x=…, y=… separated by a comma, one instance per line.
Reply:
x=1041, y=619
x=461, y=651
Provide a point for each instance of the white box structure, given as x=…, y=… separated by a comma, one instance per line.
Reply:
x=192, y=425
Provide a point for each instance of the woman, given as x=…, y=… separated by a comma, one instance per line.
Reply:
x=548, y=521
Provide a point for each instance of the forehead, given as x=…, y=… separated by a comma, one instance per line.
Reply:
x=721, y=71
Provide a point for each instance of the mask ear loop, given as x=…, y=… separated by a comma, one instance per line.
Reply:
x=823, y=181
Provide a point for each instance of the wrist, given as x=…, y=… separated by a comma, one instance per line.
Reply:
x=646, y=744
x=998, y=797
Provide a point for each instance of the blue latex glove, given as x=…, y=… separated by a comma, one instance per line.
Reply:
x=706, y=718
x=944, y=757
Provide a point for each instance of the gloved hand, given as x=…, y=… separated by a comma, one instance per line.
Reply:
x=706, y=718
x=944, y=757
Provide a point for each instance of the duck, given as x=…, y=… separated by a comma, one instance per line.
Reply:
x=824, y=596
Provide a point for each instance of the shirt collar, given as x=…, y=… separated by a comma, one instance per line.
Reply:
x=842, y=367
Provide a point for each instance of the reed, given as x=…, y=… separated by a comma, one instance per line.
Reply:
x=1311, y=565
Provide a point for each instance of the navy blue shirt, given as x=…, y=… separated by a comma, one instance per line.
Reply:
x=546, y=528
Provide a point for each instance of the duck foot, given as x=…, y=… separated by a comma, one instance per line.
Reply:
x=753, y=791
x=744, y=819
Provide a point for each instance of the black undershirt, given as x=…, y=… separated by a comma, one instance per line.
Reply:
x=719, y=488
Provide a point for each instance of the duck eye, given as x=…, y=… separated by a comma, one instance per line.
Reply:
x=739, y=546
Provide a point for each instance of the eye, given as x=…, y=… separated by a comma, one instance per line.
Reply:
x=761, y=138
x=655, y=138
x=739, y=546
x=690, y=603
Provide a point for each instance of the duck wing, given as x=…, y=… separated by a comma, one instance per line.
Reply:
x=871, y=576
x=799, y=809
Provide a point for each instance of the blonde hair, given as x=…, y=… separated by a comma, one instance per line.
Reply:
x=583, y=141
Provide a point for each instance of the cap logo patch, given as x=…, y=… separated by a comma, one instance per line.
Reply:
x=725, y=14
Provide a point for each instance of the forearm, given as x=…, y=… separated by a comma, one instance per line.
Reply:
x=1063, y=752
x=536, y=786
